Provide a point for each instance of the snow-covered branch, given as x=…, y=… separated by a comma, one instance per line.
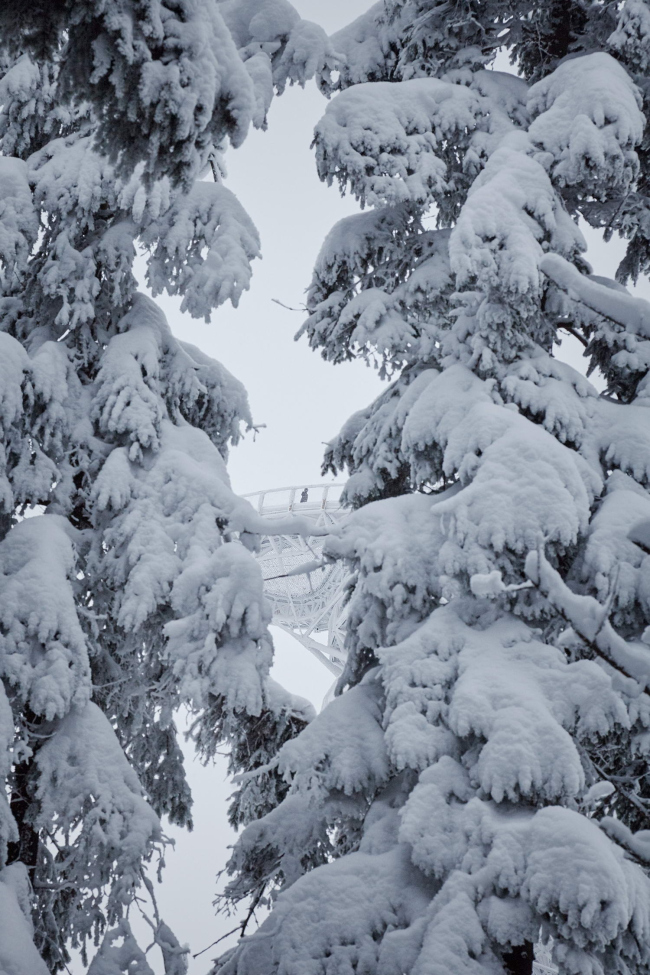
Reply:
x=590, y=620
x=613, y=302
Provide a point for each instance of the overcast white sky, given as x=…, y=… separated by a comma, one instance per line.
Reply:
x=302, y=400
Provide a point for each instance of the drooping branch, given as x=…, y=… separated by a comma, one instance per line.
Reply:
x=590, y=621
x=617, y=305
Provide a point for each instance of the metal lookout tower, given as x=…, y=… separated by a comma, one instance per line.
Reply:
x=311, y=603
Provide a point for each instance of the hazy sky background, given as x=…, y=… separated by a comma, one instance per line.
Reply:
x=302, y=400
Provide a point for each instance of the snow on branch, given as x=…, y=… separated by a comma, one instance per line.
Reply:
x=88, y=792
x=588, y=121
x=18, y=219
x=590, y=620
x=388, y=141
x=638, y=843
x=202, y=248
x=617, y=305
x=172, y=107
x=8, y=831
x=363, y=47
x=276, y=46
x=43, y=647
x=17, y=951
x=495, y=243
x=630, y=39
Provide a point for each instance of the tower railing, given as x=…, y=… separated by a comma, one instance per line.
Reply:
x=311, y=603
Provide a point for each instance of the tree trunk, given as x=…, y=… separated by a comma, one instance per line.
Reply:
x=5, y=524
x=25, y=848
x=519, y=961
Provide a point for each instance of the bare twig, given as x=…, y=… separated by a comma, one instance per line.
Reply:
x=222, y=938
x=626, y=795
x=603, y=639
x=303, y=309
x=572, y=330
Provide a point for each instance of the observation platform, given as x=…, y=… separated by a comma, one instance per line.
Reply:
x=310, y=603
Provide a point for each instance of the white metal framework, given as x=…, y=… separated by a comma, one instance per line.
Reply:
x=543, y=964
x=308, y=603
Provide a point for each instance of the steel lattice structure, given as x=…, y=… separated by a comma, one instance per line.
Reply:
x=309, y=603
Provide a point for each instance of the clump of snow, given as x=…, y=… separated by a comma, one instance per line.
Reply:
x=630, y=39
x=18, y=956
x=387, y=141
x=38, y=611
x=202, y=248
x=587, y=122
x=89, y=795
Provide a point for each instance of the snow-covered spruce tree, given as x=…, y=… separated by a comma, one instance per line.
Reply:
x=135, y=591
x=482, y=775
